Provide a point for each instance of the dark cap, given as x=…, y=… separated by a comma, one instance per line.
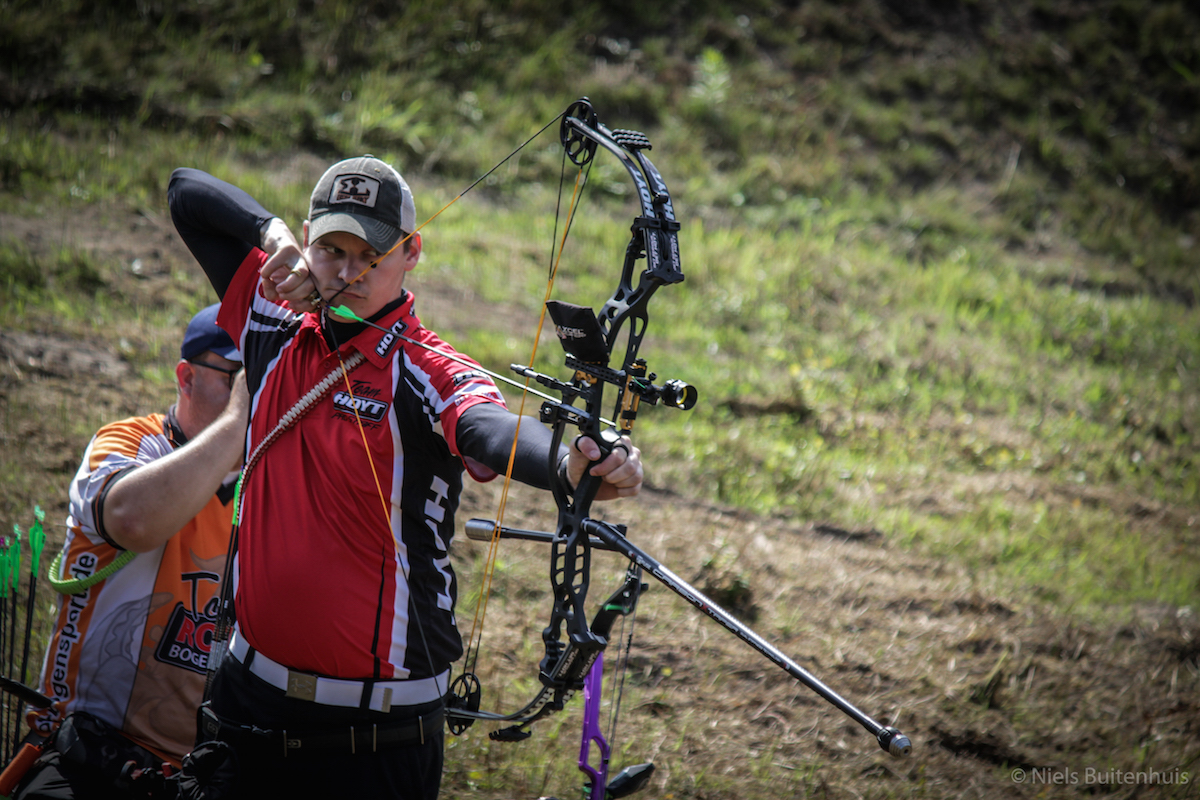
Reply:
x=204, y=334
x=365, y=197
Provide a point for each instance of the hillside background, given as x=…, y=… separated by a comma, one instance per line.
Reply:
x=943, y=264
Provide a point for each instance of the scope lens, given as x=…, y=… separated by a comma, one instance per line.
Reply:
x=679, y=395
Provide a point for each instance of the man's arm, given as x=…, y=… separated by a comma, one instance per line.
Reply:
x=148, y=505
x=485, y=433
x=218, y=222
x=221, y=224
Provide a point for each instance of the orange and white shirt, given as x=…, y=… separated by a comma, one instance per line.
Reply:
x=133, y=648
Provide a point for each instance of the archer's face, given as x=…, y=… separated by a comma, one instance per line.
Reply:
x=342, y=260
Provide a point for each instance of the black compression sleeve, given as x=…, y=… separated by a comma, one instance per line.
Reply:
x=485, y=433
x=218, y=222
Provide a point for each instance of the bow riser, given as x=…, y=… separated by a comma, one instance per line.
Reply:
x=592, y=338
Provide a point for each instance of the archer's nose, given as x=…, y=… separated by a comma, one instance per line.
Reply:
x=354, y=269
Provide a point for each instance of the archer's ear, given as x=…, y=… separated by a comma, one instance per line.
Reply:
x=185, y=374
x=413, y=254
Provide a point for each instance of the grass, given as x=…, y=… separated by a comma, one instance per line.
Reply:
x=941, y=266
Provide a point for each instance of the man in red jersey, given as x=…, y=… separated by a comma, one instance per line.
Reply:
x=359, y=436
x=127, y=660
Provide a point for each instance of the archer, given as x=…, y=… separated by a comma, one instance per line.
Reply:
x=362, y=424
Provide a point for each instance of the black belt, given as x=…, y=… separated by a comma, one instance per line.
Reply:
x=352, y=739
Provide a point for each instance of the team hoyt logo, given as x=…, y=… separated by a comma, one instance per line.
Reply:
x=187, y=639
x=361, y=403
x=360, y=189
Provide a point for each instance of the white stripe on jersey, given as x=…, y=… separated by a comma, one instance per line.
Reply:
x=398, y=647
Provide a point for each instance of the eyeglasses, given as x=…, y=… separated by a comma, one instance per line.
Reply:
x=231, y=373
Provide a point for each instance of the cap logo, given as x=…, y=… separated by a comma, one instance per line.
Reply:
x=354, y=189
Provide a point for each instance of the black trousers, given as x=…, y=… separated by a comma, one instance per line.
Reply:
x=403, y=772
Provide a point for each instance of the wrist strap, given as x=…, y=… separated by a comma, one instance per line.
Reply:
x=563, y=471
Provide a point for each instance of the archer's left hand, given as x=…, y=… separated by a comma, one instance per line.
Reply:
x=621, y=470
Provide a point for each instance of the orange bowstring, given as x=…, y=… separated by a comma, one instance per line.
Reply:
x=494, y=546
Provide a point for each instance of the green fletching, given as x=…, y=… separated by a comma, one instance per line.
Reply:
x=37, y=539
x=14, y=566
x=6, y=565
x=342, y=311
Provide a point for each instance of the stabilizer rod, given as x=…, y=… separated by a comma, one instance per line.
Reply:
x=606, y=537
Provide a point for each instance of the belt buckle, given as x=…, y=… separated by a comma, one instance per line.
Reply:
x=301, y=686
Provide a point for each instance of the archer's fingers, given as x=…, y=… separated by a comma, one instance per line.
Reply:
x=296, y=281
x=622, y=468
x=588, y=448
x=621, y=484
x=273, y=272
x=284, y=265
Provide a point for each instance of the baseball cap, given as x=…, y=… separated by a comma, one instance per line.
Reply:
x=365, y=197
x=203, y=334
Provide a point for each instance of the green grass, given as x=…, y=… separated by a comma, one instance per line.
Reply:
x=942, y=268
x=832, y=368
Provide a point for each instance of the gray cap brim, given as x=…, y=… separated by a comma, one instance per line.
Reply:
x=378, y=234
x=228, y=353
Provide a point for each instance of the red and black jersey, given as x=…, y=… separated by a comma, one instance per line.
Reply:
x=346, y=518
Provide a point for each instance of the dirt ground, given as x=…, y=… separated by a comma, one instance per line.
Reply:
x=1001, y=697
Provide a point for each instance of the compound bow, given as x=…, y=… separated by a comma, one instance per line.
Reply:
x=573, y=646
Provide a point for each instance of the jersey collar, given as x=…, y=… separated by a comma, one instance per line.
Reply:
x=376, y=345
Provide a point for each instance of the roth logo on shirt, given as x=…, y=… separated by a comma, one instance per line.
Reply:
x=363, y=407
x=187, y=639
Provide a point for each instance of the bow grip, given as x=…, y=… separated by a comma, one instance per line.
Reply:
x=607, y=440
